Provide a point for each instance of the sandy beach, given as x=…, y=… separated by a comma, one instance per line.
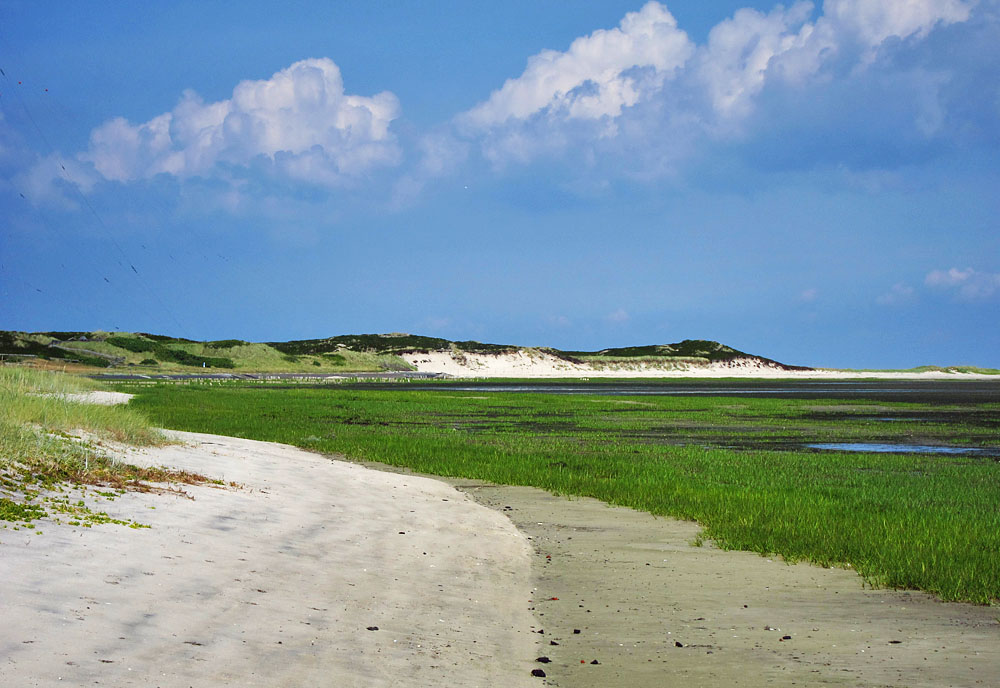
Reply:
x=274, y=582
x=314, y=571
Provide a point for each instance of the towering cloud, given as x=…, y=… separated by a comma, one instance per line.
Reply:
x=300, y=120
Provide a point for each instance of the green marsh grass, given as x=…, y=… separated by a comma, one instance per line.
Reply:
x=737, y=466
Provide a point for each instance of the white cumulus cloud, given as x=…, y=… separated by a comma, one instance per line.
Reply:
x=733, y=65
x=300, y=120
x=646, y=84
x=597, y=76
x=873, y=21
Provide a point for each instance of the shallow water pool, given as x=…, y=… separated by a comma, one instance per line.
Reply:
x=895, y=448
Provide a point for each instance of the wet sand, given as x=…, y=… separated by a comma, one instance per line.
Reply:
x=654, y=610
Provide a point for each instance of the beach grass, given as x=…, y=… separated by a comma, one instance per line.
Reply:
x=737, y=466
x=48, y=437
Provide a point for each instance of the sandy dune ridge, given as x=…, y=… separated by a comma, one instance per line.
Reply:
x=536, y=363
x=273, y=583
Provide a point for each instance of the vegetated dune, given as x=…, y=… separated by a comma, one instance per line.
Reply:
x=541, y=363
x=147, y=353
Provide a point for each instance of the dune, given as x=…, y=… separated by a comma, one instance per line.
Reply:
x=538, y=363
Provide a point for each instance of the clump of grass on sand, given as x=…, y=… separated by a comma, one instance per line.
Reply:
x=48, y=439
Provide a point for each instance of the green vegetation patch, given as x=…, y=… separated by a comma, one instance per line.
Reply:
x=24, y=344
x=162, y=352
x=226, y=343
x=133, y=344
x=163, y=339
x=394, y=343
x=738, y=466
x=19, y=512
x=696, y=349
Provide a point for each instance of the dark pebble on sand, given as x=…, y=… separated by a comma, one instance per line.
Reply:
x=373, y=628
x=538, y=672
x=678, y=643
x=895, y=642
x=595, y=662
x=552, y=642
x=786, y=637
x=576, y=631
x=543, y=660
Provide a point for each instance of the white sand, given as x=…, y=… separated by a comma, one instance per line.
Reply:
x=532, y=363
x=103, y=398
x=100, y=398
x=272, y=583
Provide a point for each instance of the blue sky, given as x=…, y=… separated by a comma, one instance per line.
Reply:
x=817, y=183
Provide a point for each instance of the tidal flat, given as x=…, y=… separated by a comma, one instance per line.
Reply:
x=736, y=462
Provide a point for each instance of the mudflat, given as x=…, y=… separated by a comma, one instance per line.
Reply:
x=634, y=593
x=306, y=572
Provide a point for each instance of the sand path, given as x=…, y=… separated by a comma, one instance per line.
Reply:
x=273, y=583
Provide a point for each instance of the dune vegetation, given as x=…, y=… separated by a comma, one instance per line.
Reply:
x=50, y=438
x=151, y=353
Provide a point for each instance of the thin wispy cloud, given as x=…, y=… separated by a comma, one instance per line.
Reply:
x=967, y=284
x=619, y=316
x=899, y=293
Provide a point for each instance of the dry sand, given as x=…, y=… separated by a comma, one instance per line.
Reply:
x=272, y=583
x=654, y=610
